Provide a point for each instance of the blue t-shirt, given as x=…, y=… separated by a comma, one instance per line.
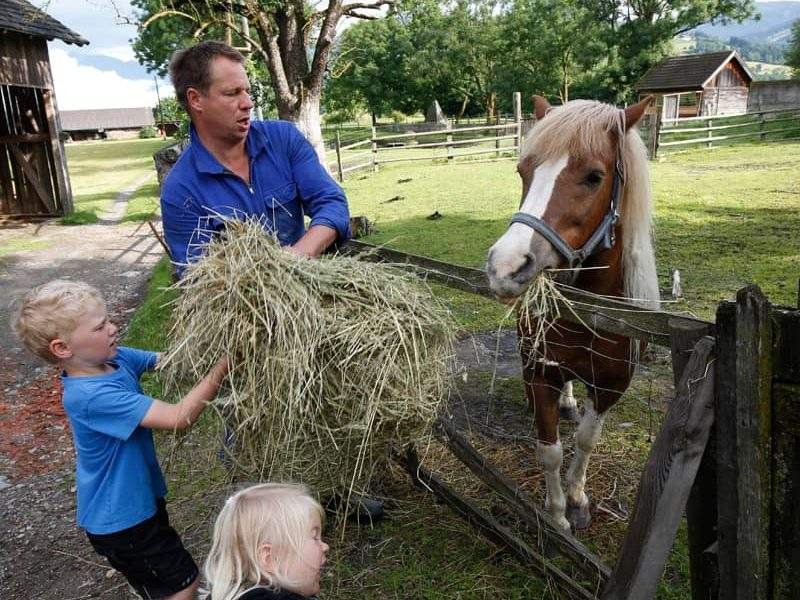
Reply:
x=118, y=478
x=287, y=182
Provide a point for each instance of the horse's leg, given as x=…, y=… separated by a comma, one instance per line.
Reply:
x=586, y=438
x=567, y=406
x=543, y=397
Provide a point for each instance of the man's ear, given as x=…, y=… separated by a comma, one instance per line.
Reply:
x=194, y=99
x=265, y=562
x=60, y=349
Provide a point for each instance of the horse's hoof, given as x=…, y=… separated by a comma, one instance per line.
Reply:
x=569, y=413
x=579, y=516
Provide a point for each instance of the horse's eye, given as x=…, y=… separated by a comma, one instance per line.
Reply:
x=593, y=179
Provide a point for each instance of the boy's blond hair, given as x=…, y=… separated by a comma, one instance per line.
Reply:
x=52, y=311
x=271, y=513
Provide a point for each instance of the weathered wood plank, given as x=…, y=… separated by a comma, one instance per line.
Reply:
x=59, y=156
x=524, y=507
x=785, y=559
x=701, y=508
x=598, y=312
x=489, y=526
x=786, y=344
x=744, y=412
x=666, y=481
x=33, y=177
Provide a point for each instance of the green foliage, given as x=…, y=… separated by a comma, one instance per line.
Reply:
x=148, y=132
x=769, y=52
x=793, y=52
x=168, y=110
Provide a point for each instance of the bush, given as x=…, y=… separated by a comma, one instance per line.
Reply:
x=337, y=117
x=398, y=117
x=148, y=132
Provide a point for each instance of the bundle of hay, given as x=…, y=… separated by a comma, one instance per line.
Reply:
x=332, y=359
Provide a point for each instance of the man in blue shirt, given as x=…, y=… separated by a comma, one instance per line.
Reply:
x=235, y=168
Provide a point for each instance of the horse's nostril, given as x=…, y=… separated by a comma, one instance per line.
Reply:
x=522, y=274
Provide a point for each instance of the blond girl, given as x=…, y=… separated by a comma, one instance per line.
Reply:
x=267, y=545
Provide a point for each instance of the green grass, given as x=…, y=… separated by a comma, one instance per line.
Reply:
x=144, y=204
x=724, y=218
x=100, y=170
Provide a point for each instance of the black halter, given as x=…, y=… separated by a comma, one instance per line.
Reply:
x=603, y=237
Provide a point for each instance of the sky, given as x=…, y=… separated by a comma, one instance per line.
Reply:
x=104, y=73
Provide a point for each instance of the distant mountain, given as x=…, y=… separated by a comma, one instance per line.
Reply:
x=773, y=26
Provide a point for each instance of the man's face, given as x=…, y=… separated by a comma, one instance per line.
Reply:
x=224, y=110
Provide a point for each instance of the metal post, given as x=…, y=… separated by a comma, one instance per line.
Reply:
x=160, y=114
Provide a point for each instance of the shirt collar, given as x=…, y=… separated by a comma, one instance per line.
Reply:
x=206, y=163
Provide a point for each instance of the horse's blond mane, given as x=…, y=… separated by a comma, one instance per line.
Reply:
x=581, y=128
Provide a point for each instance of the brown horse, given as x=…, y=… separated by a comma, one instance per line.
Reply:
x=585, y=203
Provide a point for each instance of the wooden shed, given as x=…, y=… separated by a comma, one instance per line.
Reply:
x=33, y=169
x=698, y=85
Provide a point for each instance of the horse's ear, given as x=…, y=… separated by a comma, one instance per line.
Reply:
x=540, y=107
x=635, y=111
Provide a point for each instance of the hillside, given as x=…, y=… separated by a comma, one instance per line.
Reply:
x=773, y=26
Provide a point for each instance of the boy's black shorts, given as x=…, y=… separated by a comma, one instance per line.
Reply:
x=150, y=555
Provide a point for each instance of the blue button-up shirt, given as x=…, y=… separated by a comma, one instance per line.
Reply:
x=287, y=182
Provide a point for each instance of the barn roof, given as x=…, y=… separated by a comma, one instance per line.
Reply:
x=687, y=73
x=23, y=17
x=106, y=118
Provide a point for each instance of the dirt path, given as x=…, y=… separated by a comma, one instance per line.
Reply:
x=42, y=552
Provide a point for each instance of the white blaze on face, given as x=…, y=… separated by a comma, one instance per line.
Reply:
x=508, y=253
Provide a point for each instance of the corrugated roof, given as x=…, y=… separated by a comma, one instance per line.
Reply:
x=106, y=118
x=23, y=17
x=686, y=73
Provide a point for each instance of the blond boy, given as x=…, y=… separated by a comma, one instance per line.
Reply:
x=119, y=482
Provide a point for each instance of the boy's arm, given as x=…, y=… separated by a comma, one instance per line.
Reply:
x=179, y=416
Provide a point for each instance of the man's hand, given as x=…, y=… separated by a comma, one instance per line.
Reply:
x=315, y=241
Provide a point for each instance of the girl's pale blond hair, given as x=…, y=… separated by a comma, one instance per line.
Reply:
x=52, y=311
x=272, y=513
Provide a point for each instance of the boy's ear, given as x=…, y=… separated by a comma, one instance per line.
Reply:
x=60, y=349
x=265, y=558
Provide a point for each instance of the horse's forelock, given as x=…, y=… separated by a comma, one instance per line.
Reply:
x=579, y=128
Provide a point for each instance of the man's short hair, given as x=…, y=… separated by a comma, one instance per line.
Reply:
x=191, y=67
x=52, y=311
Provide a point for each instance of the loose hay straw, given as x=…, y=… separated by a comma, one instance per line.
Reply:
x=332, y=359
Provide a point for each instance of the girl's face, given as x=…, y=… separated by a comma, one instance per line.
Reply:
x=304, y=568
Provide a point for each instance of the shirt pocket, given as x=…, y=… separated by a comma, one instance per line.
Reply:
x=283, y=211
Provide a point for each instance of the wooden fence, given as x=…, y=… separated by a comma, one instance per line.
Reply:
x=384, y=149
x=728, y=453
x=712, y=131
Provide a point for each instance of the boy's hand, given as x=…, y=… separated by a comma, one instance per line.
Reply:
x=219, y=370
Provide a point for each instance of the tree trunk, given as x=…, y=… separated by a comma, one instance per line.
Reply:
x=309, y=122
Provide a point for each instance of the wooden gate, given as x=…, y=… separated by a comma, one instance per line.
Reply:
x=728, y=453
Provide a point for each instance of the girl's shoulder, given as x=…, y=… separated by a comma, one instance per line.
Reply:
x=262, y=593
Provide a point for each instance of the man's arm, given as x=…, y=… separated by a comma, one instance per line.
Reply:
x=179, y=416
x=314, y=241
x=323, y=199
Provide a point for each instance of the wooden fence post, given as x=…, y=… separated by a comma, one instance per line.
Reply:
x=655, y=132
x=701, y=508
x=744, y=455
x=666, y=481
x=374, y=148
x=449, y=138
x=762, y=134
x=339, y=157
x=518, y=120
x=709, y=132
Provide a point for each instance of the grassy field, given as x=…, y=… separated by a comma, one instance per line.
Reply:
x=100, y=170
x=724, y=218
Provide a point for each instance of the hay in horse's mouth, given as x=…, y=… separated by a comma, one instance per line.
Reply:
x=332, y=359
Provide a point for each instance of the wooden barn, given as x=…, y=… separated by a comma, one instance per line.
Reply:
x=33, y=169
x=698, y=85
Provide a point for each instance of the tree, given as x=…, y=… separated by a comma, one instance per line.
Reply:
x=793, y=52
x=291, y=38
